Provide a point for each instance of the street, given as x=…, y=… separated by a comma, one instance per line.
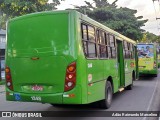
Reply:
x=145, y=96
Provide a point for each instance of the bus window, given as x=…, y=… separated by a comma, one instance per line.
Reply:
x=126, y=51
x=103, y=53
x=109, y=52
x=101, y=44
x=85, y=48
x=103, y=38
x=84, y=32
x=91, y=33
x=112, y=46
x=91, y=50
x=88, y=39
x=107, y=38
x=113, y=52
x=112, y=40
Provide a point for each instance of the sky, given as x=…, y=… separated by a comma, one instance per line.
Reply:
x=145, y=8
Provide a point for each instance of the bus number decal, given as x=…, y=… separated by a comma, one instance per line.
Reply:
x=36, y=98
x=89, y=65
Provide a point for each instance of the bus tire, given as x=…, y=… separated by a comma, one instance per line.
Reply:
x=106, y=103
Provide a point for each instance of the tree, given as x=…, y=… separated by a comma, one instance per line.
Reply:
x=150, y=37
x=122, y=20
x=13, y=8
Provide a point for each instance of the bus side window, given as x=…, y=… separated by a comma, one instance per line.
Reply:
x=132, y=51
x=112, y=46
x=84, y=32
x=107, y=39
x=112, y=41
x=129, y=50
x=109, y=52
x=91, y=50
x=125, y=50
x=101, y=44
x=88, y=39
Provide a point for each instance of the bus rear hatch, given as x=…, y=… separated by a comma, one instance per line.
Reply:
x=36, y=52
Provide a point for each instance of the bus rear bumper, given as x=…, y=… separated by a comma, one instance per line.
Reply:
x=34, y=97
x=71, y=97
x=148, y=72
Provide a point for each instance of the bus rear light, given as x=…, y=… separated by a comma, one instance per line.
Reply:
x=7, y=70
x=70, y=79
x=71, y=67
x=8, y=78
x=69, y=84
x=70, y=76
x=8, y=84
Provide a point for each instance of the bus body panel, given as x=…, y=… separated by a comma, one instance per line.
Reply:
x=111, y=70
x=95, y=79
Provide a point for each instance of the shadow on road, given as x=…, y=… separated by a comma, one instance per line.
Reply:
x=147, y=78
x=88, y=107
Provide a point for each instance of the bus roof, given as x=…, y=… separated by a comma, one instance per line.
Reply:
x=82, y=17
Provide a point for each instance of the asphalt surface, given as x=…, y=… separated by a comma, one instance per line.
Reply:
x=145, y=96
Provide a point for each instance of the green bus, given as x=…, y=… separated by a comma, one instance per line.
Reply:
x=147, y=59
x=64, y=57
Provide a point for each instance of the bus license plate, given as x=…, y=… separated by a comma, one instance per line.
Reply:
x=37, y=88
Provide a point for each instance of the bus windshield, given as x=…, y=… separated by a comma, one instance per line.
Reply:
x=145, y=50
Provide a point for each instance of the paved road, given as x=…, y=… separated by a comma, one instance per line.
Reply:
x=145, y=96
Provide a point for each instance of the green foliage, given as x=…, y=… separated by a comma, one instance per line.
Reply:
x=13, y=8
x=122, y=20
x=150, y=37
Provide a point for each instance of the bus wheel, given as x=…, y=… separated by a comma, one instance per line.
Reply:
x=106, y=103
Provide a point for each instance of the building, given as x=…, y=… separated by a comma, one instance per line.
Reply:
x=2, y=53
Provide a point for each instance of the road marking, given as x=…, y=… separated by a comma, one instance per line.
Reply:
x=150, y=102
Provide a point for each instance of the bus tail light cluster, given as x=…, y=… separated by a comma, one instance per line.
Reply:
x=8, y=78
x=155, y=64
x=70, y=79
